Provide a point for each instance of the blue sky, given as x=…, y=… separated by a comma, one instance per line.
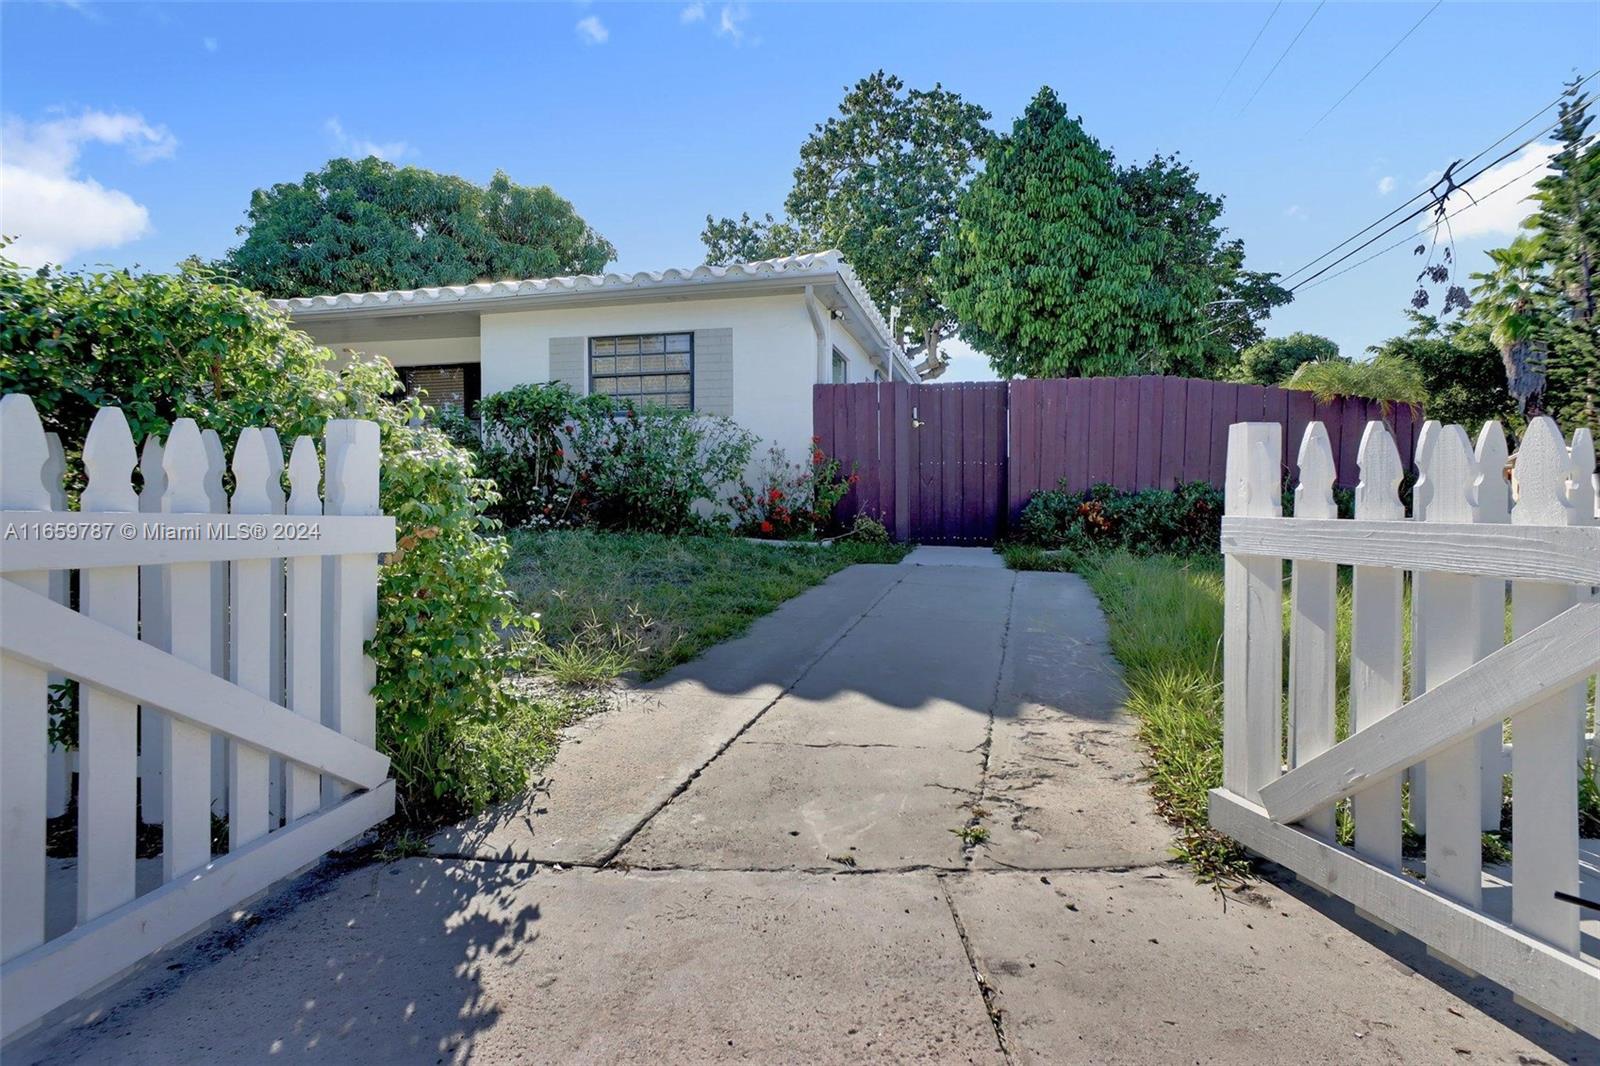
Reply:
x=134, y=133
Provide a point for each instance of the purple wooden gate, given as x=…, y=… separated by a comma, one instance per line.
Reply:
x=954, y=464
x=931, y=458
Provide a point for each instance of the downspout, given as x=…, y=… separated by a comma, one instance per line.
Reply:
x=822, y=325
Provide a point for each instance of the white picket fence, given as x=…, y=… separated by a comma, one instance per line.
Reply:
x=218, y=649
x=1474, y=531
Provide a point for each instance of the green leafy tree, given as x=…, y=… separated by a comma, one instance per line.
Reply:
x=1460, y=367
x=1512, y=301
x=1272, y=361
x=745, y=239
x=1206, y=306
x=1568, y=225
x=1390, y=378
x=881, y=182
x=364, y=224
x=1046, y=269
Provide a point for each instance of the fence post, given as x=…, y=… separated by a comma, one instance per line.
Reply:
x=24, y=706
x=352, y=450
x=276, y=499
x=1313, y=631
x=1446, y=638
x=1376, y=662
x=192, y=610
x=108, y=725
x=1253, y=625
x=1544, y=744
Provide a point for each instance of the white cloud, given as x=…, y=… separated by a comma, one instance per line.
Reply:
x=360, y=147
x=592, y=31
x=54, y=211
x=1497, y=214
x=1385, y=185
x=730, y=23
x=695, y=12
x=1295, y=211
x=209, y=43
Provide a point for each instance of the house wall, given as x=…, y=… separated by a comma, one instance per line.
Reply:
x=774, y=352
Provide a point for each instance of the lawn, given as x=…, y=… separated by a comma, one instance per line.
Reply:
x=612, y=602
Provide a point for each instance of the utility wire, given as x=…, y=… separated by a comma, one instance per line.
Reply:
x=1247, y=53
x=1376, y=65
x=1424, y=193
x=1445, y=220
x=1283, y=53
x=1429, y=206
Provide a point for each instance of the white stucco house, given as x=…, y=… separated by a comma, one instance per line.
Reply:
x=746, y=340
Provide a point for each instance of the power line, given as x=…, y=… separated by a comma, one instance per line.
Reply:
x=1376, y=65
x=1283, y=53
x=1445, y=220
x=1247, y=53
x=1424, y=193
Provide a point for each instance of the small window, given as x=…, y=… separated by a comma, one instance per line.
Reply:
x=841, y=368
x=877, y=376
x=445, y=385
x=653, y=368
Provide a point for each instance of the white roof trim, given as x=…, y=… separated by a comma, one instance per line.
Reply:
x=808, y=267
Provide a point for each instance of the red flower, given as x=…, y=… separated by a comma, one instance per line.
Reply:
x=766, y=527
x=775, y=495
x=561, y=453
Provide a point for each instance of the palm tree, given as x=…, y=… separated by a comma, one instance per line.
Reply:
x=1510, y=300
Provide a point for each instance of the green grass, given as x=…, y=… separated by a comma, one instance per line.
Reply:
x=612, y=602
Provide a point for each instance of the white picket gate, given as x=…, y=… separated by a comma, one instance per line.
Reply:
x=1474, y=531
x=219, y=657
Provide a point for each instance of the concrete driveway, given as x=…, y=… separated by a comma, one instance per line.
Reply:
x=761, y=858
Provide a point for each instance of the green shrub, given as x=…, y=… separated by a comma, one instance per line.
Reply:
x=793, y=501
x=168, y=346
x=520, y=443
x=647, y=469
x=868, y=530
x=1385, y=377
x=1183, y=521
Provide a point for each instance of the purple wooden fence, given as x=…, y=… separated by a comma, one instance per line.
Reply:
x=953, y=463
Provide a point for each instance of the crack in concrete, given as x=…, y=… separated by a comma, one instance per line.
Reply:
x=638, y=827
x=991, y=999
x=970, y=849
x=612, y=866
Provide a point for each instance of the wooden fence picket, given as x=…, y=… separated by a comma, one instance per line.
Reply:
x=1544, y=814
x=1446, y=639
x=250, y=644
x=185, y=639
x=1253, y=595
x=24, y=710
x=108, y=725
x=1313, y=612
x=1377, y=666
x=154, y=622
x=1492, y=503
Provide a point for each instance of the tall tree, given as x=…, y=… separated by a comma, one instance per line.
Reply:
x=881, y=182
x=1511, y=300
x=1046, y=269
x=1568, y=224
x=1206, y=306
x=363, y=224
x=1271, y=361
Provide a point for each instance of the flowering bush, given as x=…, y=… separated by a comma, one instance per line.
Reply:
x=1184, y=521
x=794, y=501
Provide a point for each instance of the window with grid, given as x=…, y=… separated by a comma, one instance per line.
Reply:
x=648, y=367
x=448, y=384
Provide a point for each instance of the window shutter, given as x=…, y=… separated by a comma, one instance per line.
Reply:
x=713, y=371
x=567, y=363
